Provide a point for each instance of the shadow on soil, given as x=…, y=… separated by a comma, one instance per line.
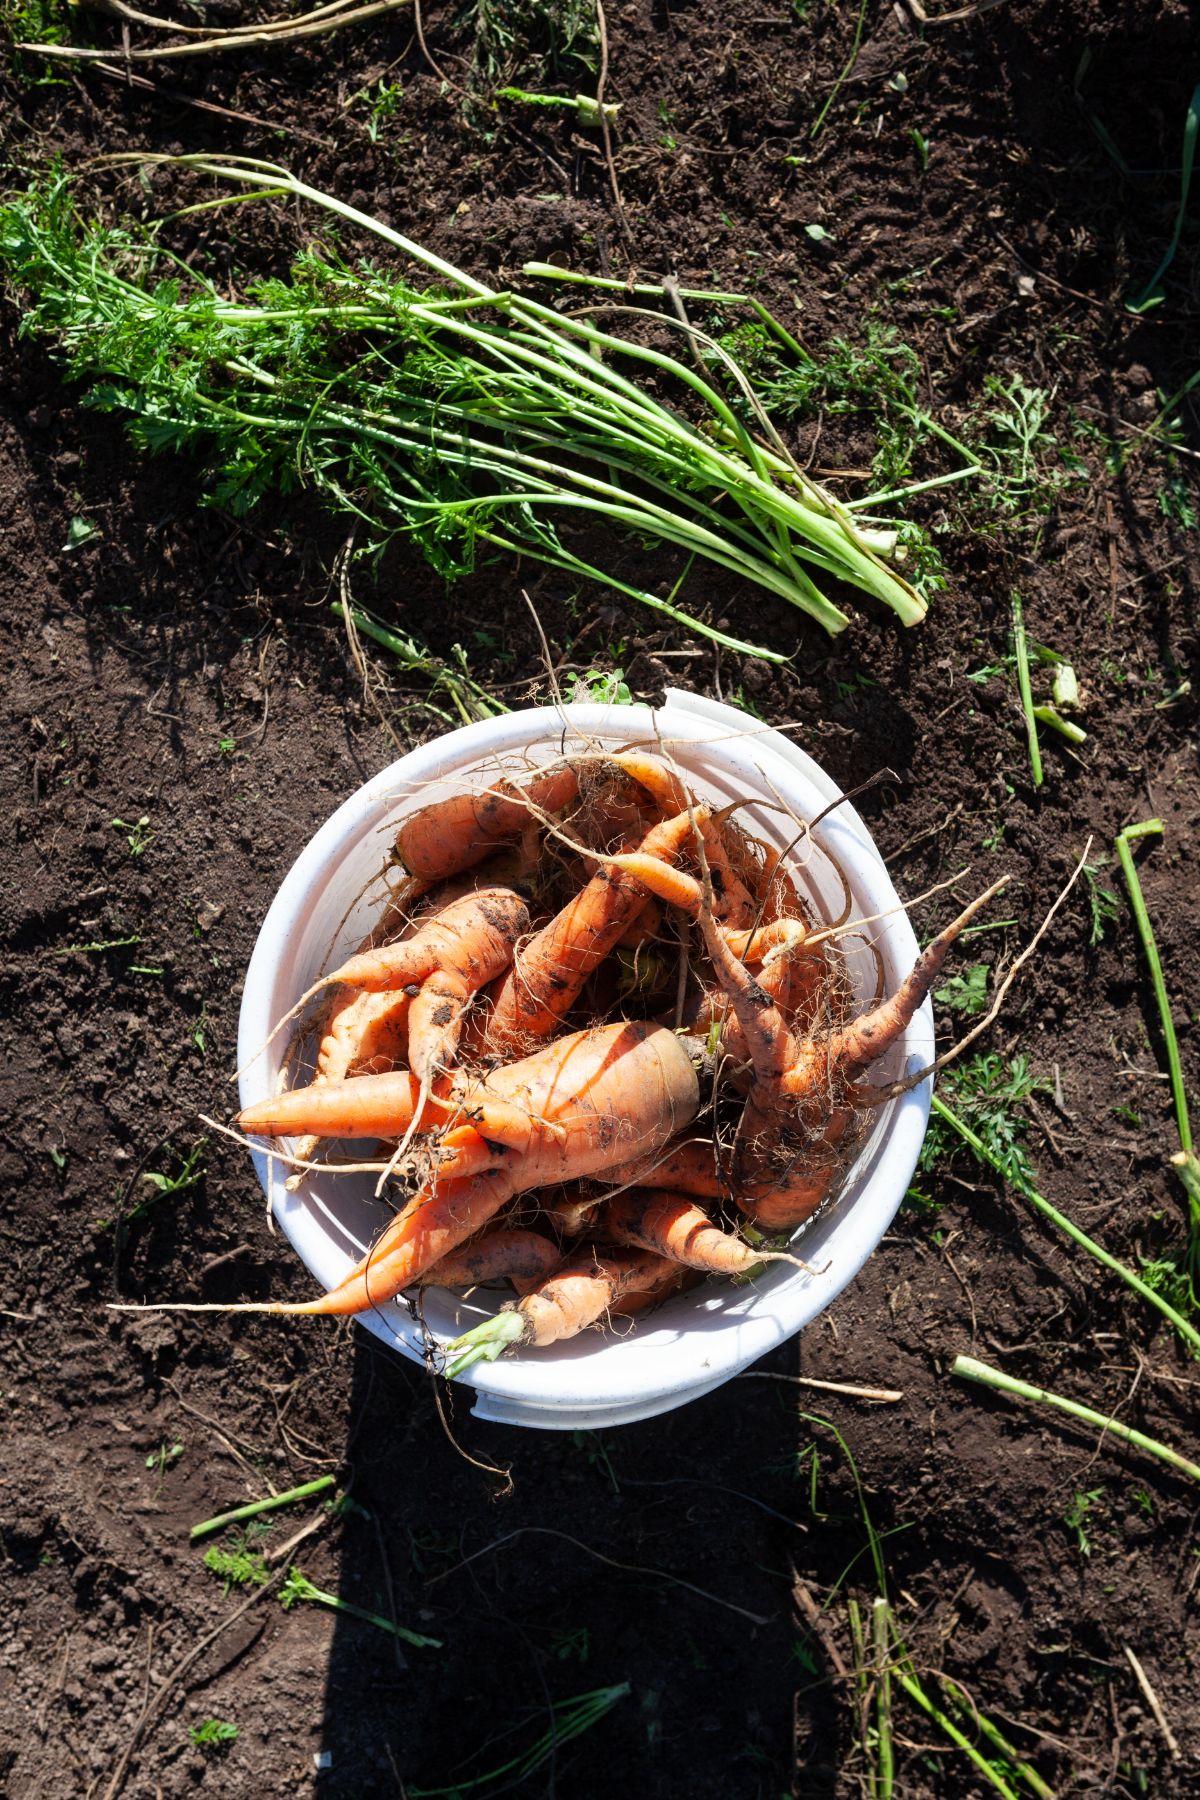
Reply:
x=530, y=1614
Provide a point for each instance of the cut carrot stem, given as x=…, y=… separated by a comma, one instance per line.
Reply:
x=1124, y=840
x=917, y=1693
x=968, y=1369
x=207, y=1526
x=1021, y=652
x=1040, y=1204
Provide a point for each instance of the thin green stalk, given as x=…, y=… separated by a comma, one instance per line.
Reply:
x=913, y=487
x=970, y=1370
x=885, y=1778
x=1050, y=715
x=846, y=71
x=998, y=1741
x=207, y=1526
x=916, y=1692
x=1186, y=1330
x=1151, y=294
x=1021, y=651
x=299, y=1587
x=414, y=656
x=568, y=1720
x=653, y=290
x=1137, y=900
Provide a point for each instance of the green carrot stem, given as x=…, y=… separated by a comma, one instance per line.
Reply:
x=885, y=1775
x=969, y=1370
x=1040, y=1204
x=997, y=1739
x=916, y=1692
x=486, y=1341
x=299, y=1587
x=1124, y=840
x=207, y=1526
x=1050, y=715
x=1021, y=652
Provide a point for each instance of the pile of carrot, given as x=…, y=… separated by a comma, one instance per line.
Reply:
x=598, y=1045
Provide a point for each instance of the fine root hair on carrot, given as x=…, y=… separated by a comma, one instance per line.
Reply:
x=301, y=1164
x=394, y=1160
x=852, y=927
x=872, y=1096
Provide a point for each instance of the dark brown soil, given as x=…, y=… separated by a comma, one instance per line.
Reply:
x=182, y=668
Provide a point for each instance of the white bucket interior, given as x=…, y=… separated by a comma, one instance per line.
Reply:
x=332, y=897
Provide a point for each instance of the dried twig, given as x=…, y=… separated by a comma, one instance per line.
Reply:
x=1154, y=1703
x=890, y=1395
x=606, y=130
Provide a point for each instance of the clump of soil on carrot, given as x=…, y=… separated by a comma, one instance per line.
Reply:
x=179, y=666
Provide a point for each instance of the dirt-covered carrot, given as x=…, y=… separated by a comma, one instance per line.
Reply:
x=866, y=1039
x=577, y=1295
x=457, y=833
x=452, y=953
x=548, y=973
x=690, y=1168
x=365, y=1034
x=785, y=1202
x=508, y=1253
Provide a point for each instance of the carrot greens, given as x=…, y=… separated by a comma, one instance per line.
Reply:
x=458, y=415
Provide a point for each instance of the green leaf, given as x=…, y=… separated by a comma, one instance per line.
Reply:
x=79, y=533
x=965, y=993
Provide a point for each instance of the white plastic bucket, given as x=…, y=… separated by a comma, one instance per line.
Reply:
x=692, y=1344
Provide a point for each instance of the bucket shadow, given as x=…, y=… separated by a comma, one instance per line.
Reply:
x=654, y=1560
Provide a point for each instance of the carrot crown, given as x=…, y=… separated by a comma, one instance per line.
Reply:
x=485, y=1342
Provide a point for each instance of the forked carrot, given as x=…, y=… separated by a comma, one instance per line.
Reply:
x=866, y=1039
x=733, y=903
x=463, y=945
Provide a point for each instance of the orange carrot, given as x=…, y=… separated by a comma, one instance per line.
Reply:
x=457, y=833
x=548, y=974
x=784, y=1204
x=365, y=1034
x=868, y=1038
x=673, y=1226
x=732, y=900
x=574, y=1297
x=690, y=1168
x=505, y=1254
x=674, y=1279
x=464, y=943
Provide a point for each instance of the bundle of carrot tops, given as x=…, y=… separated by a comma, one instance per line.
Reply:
x=603, y=1045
